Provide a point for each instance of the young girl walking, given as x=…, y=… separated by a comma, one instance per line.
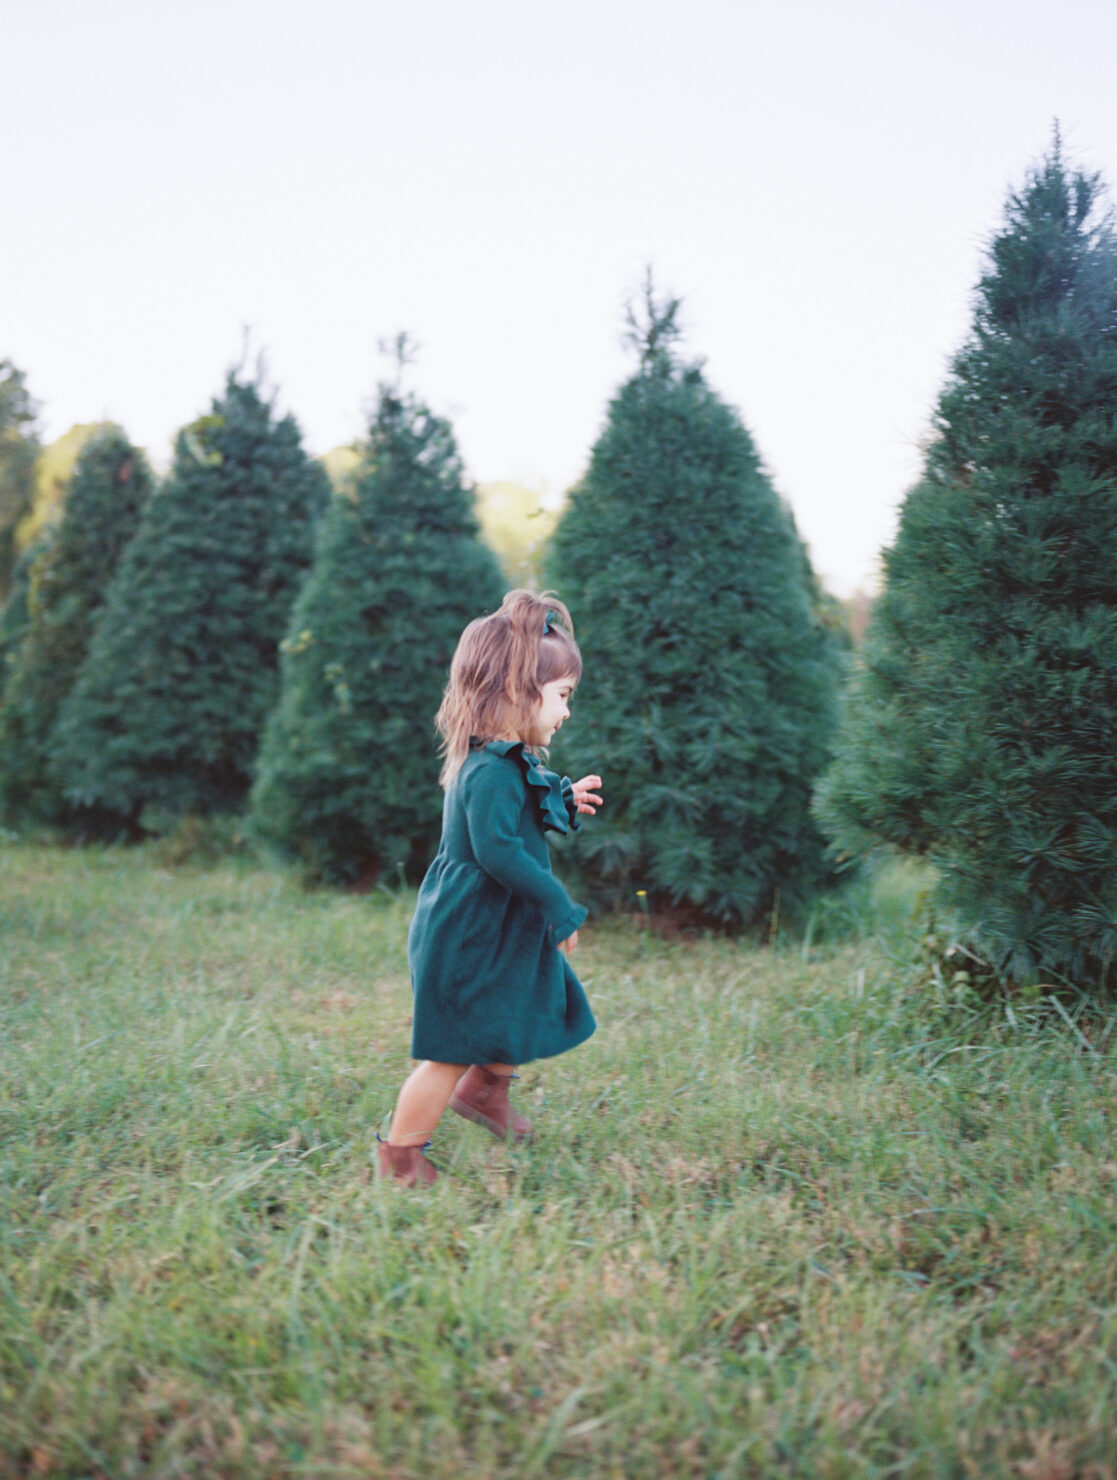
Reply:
x=493, y=927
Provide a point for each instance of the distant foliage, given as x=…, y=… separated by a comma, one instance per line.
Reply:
x=53, y=471
x=348, y=778
x=66, y=586
x=516, y=527
x=166, y=715
x=341, y=463
x=708, y=696
x=980, y=731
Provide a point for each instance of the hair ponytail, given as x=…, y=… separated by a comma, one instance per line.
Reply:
x=499, y=669
x=529, y=618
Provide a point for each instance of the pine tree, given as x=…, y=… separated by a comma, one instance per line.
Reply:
x=67, y=582
x=707, y=698
x=166, y=714
x=19, y=449
x=15, y=615
x=980, y=728
x=349, y=773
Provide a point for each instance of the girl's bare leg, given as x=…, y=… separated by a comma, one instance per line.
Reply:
x=421, y=1102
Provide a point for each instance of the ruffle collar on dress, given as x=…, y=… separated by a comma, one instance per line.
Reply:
x=549, y=792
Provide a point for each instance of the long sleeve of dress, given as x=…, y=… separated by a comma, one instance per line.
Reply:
x=570, y=804
x=494, y=806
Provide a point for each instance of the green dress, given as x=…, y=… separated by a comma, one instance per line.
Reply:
x=490, y=983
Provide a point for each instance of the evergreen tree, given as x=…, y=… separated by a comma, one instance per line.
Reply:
x=19, y=448
x=348, y=772
x=980, y=728
x=708, y=691
x=15, y=615
x=168, y=708
x=67, y=582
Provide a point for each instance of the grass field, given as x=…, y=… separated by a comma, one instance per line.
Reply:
x=783, y=1216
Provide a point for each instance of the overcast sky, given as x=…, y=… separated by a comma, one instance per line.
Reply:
x=815, y=180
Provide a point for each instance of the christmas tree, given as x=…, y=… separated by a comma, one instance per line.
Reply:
x=348, y=778
x=166, y=714
x=67, y=584
x=708, y=693
x=980, y=728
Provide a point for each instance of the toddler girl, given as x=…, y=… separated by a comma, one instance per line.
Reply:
x=493, y=926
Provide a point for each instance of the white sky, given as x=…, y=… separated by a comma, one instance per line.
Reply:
x=816, y=181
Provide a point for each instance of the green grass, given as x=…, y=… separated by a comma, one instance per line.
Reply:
x=781, y=1217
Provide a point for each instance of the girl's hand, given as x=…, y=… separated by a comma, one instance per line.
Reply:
x=569, y=944
x=587, y=798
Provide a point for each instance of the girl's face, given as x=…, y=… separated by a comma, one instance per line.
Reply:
x=553, y=707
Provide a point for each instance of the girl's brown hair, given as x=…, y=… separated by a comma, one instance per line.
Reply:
x=498, y=673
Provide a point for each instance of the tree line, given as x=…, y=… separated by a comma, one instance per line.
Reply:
x=242, y=639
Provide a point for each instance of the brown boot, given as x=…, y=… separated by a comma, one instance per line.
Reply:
x=405, y=1164
x=481, y=1095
